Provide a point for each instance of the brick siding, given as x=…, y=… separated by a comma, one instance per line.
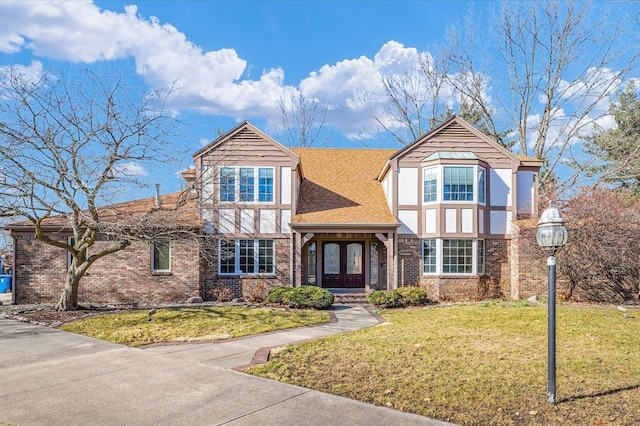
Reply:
x=122, y=277
x=243, y=286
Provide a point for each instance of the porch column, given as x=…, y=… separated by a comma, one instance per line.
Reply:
x=388, y=241
x=297, y=259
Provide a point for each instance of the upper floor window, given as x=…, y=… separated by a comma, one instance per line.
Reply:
x=482, y=186
x=430, y=185
x=240, y=183
x=454, y=183
x=457, y=183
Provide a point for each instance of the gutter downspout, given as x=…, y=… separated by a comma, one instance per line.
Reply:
x=291, y=258
x=395, y=261
x=13, y=270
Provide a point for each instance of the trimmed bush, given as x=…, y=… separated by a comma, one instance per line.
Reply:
x=280, y=295
x=305, y=297
x=386, y=299
x=404, y=296
x=414, y=296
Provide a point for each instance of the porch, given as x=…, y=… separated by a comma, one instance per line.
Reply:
x=345, y=263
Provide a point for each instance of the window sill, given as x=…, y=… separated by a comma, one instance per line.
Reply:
x=161, y=273
x=250, y=276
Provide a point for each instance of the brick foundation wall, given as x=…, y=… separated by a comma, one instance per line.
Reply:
x=495, y=283
x=497, y=269
x=122, y=277
x=530, y=265
x=243, y=286
x=409, y=261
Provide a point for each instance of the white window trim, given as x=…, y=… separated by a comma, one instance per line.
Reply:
x=438, y=171
x=152, y=252
x=256, y=262
x=440, y=184
x=440, y=258
x=478, y=169
x=256, y=186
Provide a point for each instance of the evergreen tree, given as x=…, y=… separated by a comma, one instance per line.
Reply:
x=618, y=149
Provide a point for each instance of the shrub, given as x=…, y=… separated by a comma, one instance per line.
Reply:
x=414, y=296
x=222, y=294
x=256, y=292
x=386, y=299
x=311, y=297
x=304, y=297
x=280, y=295
x=404, y=296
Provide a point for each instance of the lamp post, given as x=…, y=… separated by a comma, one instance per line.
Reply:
x=551, y=236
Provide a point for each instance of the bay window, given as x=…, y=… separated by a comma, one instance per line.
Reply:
x=430, y=185
x=454, y=183
x=453, y=256
x=457, y=183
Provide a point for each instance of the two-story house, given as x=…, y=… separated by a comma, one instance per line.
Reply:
x=436, y=213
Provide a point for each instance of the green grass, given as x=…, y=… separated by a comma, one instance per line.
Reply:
x=480, y=365
x=191, y=324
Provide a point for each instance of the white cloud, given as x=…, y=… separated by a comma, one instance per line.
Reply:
x=82, y=32
x=32, y=72
x=128, y=170
x=210, y=82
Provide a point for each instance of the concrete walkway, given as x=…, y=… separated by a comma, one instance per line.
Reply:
x=237, y=353
x=52, y=377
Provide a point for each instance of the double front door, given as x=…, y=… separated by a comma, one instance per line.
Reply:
x=342, y=265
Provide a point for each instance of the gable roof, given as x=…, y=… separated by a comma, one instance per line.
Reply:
x=236, y=131
x=450, y=125
x=340, y=188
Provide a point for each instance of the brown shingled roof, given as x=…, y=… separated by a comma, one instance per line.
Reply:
x=340, y=187
x=177, y=209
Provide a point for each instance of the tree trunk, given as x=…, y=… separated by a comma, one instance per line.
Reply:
x=69, y=299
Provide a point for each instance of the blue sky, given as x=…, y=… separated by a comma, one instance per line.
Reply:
x=233, y=60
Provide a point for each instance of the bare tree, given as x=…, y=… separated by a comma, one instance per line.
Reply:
x=561, y=62
x=68, y=146
x=415, y=99
x=303, y=120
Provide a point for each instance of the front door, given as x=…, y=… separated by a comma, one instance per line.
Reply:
x=342, y=265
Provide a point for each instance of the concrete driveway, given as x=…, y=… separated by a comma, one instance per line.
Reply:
x=52, y=377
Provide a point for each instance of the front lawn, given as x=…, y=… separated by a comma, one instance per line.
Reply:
x=191, y=324
x=483, y=364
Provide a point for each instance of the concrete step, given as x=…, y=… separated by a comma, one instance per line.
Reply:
x=351, y=298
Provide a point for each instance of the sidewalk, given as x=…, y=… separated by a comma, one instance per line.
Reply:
x=237, y=353
x=52, y=377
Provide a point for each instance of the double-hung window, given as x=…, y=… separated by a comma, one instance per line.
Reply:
x=482, y=186
x=242, y=257
x=247, y=184
x=430, y=185
x=227, y=184
x=161, y=255
x=429, y=256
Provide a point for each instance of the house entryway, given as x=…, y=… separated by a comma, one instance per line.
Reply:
x=342, y=264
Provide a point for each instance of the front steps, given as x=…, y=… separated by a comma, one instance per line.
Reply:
x=349, y=296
